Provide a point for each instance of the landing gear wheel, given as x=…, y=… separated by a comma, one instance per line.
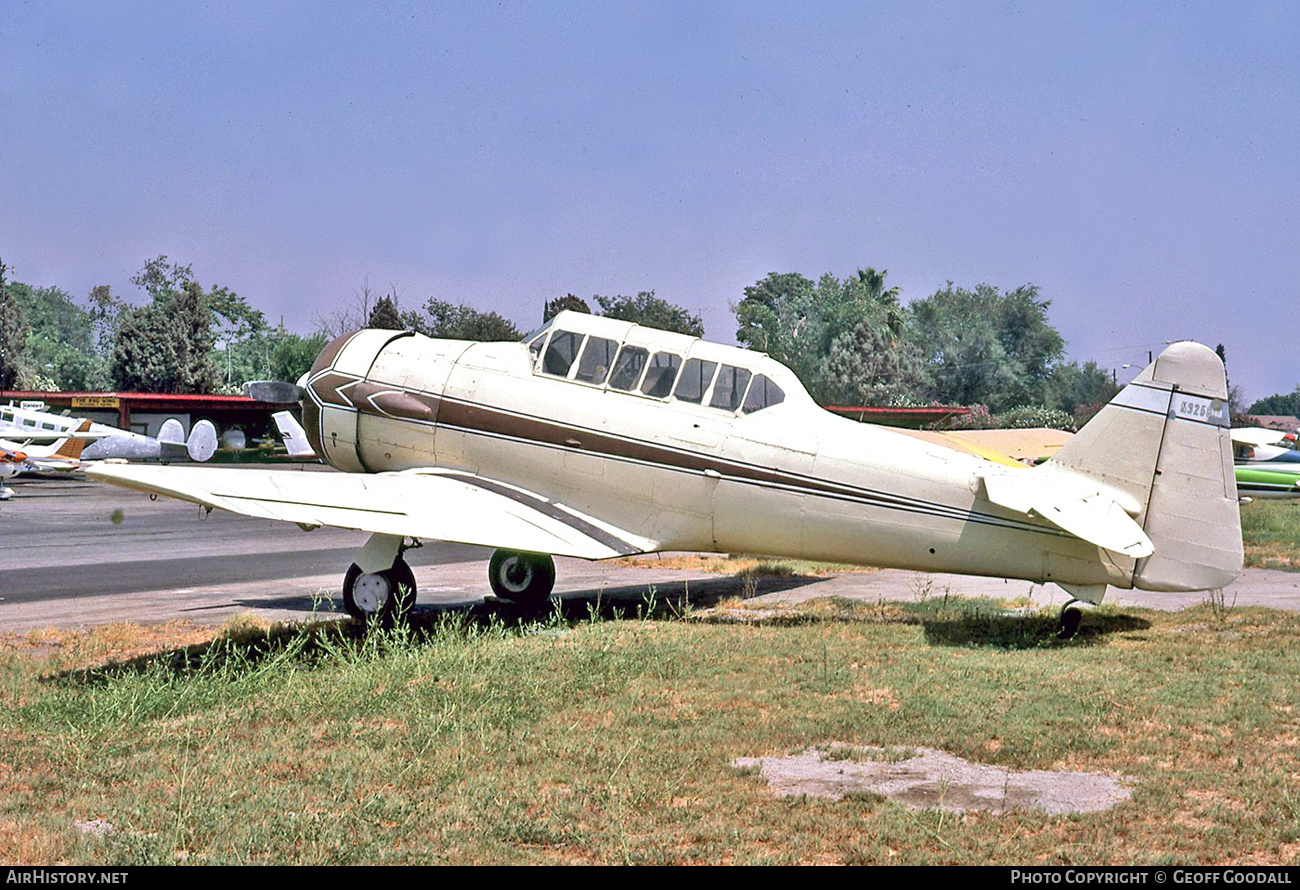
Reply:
x=1068, y=625
x=380, y=596
x=525, y=579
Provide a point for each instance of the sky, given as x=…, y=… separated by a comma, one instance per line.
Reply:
x=1138, y=162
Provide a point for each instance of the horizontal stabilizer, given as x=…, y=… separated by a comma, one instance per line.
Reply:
x=295, y=437
x=202, y=443
x=1087, y=513
x=171, y=433
x=433, y=505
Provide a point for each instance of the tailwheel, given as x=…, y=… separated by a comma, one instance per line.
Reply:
x=525, y=579
x=380, y=596
x=1068, y=624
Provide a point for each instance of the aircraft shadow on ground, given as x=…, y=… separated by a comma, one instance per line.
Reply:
x=605, y=602
x=966, y=623
x=248, y=648
x=1012, y=631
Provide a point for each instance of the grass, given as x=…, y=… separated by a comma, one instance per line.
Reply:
x=467, y=740
x=1270, y=531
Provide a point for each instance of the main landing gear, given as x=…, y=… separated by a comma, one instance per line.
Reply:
x=380, y=586
x=380, y=596
x=525, y=579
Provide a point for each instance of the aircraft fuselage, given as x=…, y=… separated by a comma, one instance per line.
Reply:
x=691, y=469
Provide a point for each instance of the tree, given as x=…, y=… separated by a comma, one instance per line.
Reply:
x=985, y=347
x=196, y=370
x=844, y=339
x=13, y=333
x=870, y=366
x=571, y=302
x=1080, y=391
x=167, y=345
x=385, y=316
x=59, y=349
x=144, y=353
x=1284, y=404
x=647, y=309
x=459, y=322
x=773, y=313
x=292, y=355
x=104, y=310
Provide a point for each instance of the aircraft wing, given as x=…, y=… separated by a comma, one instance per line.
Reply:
x=428, y=504
x=1256, y=436
x=52, y=464
x=1087, y=513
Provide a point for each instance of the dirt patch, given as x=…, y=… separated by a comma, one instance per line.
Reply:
x=934, y=780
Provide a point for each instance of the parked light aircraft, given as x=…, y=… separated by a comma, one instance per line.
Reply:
x=597, y=438
x=62, y=454
x=24, y=423
x=1266, y=464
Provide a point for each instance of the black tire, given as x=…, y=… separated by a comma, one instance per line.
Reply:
x=525, y=579
x=1069, y=623
x=381, y=596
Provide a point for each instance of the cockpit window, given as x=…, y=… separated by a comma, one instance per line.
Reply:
x=605, y=362
x=538, y=333
x=628, y=367
x=763, y=393
x=695, y=379
x=597, y=356
x=535, y=348
x=661, y=374
x=729, y=388
x=561, y=352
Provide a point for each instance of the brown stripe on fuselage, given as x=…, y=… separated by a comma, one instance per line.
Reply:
x=329, y=388
x=483, y=419
x=311, y=416
x=491, y=421
x=329, y=353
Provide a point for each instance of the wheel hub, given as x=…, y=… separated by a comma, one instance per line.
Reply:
x=371, y=592
x=516, y=574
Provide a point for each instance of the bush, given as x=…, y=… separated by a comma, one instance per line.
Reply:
x=1030, y=416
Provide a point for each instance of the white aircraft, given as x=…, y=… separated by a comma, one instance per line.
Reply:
x=19, y=422
x=63, y=454
x=1258, y=445
x=597, y=438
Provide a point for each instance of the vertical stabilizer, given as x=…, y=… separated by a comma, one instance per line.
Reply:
x=1164, y=440
x=71, y=447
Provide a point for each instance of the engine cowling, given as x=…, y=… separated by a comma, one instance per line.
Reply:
x=370, y=402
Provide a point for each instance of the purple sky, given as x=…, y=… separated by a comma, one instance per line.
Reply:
x=1140, y=163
